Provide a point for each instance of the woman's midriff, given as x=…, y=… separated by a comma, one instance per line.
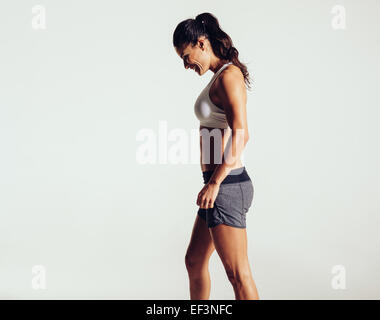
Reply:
x=215, y=159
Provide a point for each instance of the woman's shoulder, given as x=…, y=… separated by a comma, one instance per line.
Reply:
x=231, y=77
x=232, y=71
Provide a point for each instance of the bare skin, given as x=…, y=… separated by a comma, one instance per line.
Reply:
x=228, y=91
x=197, y=257
x=231, y=245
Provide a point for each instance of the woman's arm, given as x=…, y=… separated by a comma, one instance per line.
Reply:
x=234, y=97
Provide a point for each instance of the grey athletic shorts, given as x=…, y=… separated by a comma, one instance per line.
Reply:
x=234, y=198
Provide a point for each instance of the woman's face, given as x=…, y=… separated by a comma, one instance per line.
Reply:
x=195, y=57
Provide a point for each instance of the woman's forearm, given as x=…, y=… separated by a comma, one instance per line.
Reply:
x=232, y=153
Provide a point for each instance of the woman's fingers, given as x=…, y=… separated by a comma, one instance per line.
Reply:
x=206, y=203
x=199, y=199
x=205, y=199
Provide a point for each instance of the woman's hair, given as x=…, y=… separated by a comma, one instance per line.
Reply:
x=205, y=24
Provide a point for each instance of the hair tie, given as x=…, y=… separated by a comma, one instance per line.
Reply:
x=204, y=26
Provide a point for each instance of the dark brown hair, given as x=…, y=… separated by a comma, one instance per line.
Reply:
x=205, y=24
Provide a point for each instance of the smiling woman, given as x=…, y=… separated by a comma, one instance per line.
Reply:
x=188, y=33
x=228, y=189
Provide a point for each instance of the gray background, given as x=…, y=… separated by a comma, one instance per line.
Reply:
x=74, y=199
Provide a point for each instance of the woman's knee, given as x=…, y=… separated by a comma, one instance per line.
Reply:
x=238, y=276
x=194, y=263
x=190, y=261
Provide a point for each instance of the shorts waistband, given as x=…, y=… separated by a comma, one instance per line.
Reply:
x=235, y=175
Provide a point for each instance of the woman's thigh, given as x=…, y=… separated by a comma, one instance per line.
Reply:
x=201, y=245
x=231, y=246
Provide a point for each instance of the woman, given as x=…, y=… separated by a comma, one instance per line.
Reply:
x=228, y=191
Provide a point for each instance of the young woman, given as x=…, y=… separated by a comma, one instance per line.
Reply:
x=228, y=190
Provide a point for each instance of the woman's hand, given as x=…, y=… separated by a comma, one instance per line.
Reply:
x=207, y=195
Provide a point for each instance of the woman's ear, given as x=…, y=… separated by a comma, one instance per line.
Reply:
x=201, y=44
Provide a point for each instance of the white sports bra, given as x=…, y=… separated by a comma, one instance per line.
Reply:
x=208, y=114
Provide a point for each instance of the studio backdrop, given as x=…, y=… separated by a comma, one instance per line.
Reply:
x=99, y=161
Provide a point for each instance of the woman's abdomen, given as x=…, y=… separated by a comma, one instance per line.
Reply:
x=213, y=143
